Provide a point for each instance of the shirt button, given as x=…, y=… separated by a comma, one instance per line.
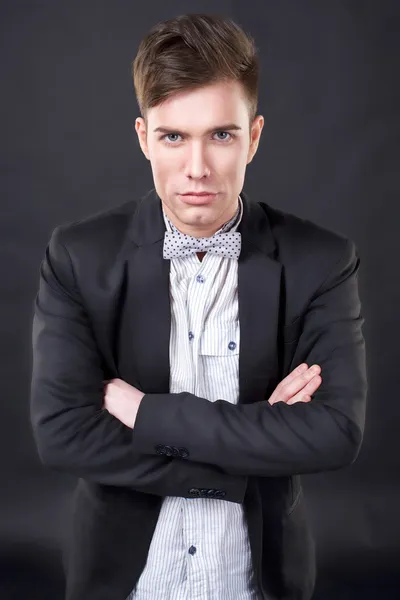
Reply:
x=192, y=550
x=200, y=279
x=232, y=345
x=191, y=335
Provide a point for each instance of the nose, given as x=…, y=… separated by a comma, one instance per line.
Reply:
x=196, y=165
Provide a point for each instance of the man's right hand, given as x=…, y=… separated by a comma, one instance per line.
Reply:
x=298, y=385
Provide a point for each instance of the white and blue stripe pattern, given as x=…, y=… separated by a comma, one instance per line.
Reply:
x=200, y=547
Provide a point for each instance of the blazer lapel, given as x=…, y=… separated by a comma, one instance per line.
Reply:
x=145, y=319
x=146, y=315
x=259, y=281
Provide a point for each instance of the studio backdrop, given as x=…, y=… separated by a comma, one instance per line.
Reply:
x=329, y=152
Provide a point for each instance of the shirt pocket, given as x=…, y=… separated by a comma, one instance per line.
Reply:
x=219, y=359
x=220, y=340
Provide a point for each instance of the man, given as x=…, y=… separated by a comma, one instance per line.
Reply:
x=195, y=352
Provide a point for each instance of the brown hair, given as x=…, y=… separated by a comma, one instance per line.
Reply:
x=190, y=51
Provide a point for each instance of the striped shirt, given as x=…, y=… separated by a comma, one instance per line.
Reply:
x=200, y=548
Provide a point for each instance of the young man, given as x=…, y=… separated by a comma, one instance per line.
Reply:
x=195, y=351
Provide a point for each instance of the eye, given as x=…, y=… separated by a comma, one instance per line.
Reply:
x=224, y=133
x=168, y=135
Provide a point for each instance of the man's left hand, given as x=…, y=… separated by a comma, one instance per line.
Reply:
x=122, y=400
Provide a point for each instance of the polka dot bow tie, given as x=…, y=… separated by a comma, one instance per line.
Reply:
x=179, y=244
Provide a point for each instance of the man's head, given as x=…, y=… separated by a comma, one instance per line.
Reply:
x=196, y=82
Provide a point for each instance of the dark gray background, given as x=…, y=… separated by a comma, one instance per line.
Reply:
x=329, y=152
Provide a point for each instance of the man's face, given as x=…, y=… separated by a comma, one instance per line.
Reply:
x=200, y=141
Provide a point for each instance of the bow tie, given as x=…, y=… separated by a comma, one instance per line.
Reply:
x=224, y=244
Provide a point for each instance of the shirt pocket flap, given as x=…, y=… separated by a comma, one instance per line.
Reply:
x=220, y=340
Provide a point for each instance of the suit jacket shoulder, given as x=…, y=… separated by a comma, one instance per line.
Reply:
x=306, y=248
x=299, y=238
x=102, y=229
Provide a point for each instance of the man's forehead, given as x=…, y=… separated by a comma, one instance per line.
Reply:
x=204, y=120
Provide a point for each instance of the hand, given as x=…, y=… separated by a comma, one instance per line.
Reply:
x=122, y=400
x=298, y=385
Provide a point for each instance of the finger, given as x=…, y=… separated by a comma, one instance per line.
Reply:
x=305, y=394
x=296, y=382
x=299, y=382
x=295, y=373
x=303, y=388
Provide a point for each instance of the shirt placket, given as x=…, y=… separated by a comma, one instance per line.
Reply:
x=199, y=290
x=197, y=294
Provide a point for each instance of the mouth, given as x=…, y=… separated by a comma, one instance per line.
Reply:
x=200, y=198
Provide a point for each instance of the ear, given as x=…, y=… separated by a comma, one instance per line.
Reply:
x=141, y=131
x=255, y=134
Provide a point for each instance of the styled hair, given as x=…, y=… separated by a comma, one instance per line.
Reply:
x=190, y=51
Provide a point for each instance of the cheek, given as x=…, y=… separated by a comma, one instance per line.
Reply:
x=232, y=154
x=164, y=163
x=231, y=162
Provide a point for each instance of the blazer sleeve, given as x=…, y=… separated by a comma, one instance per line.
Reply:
x=72, y=430
x=263, y=440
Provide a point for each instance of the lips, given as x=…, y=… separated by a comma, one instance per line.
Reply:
x=199, y=194
x=198, y=198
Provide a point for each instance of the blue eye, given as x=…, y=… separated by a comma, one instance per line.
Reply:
x=225, y=132
x=168, y=134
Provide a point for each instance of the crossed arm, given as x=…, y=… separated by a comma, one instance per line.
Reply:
x=226, y=442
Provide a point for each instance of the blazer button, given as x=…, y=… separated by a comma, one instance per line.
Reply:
x=160, y=449
x=168, y=451
x=175, y=451
x=195, y=492
x=183, y=452
x=211, y=493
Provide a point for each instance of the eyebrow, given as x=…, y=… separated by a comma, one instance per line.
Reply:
x=227, y=127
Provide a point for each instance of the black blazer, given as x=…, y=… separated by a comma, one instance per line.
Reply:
x=103, y=311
